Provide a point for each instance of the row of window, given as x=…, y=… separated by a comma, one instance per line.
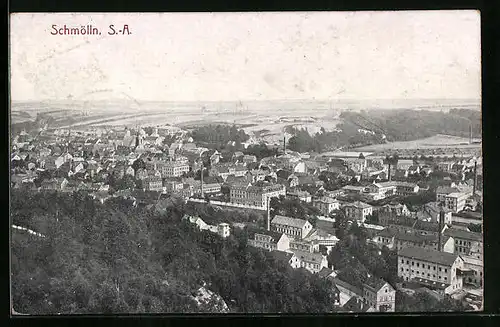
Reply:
x=423, y=274
x=310, y=265
x=289, y=231
x=423, y=265
x=460, y=242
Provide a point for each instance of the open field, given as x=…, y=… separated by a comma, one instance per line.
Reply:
x=264, y=120
x=437, y=141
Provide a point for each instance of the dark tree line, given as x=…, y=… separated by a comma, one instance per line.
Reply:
x=219, y=135
x=114, y=257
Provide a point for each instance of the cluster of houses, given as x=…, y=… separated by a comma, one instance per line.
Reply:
x=435, y=247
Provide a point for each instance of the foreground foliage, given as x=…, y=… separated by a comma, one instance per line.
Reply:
x=114, y=257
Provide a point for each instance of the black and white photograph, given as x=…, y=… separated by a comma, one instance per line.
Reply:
x=245, y=163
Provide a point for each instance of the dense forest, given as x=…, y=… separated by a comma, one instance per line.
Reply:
x=114, y=257
x=406, y=125
x=219, y=135
x=395, y=125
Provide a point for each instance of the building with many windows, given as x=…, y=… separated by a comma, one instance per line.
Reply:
x=379, y=295
x=270, y=241
x=404, y=188
x=326, y=205
x=433, y=269
x=313, y=262
x=456, y=201
x=255, y=195
x=358, y=211
x=466, y=243
x=152, y=183
x=172, y=168
x=293, y=227
x=476, y=266
x=305, y=246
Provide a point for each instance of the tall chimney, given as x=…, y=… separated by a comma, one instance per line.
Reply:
x=284, y=144
x=269, y=214
x=389, y=172
x=440, y=228
x=475, y=178
x=202, y=169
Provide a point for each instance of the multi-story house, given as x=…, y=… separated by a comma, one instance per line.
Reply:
x=430, y=212
x=404, y=164
x=326, y=205
x=433, y=269
x=249, y=159
x=173, y=185
x=288, y=258
x=305, y=246
x=270, y=241
x=54, y=184
x=397, y=209
x=384, y=237
x=475, y=277
x=456, y=201
x=445, y=166
x=319, y=237
x=417, y=240
x=255, y=195
x=224, y=230
x=466, y=243
x=403, y=188
x=379, y=295
x=358, y=211
x=293, y=227
x=382, y=189
x=300, y=195
x=152, y=183
x=211, y=188
x=313, y=262
x=172, y=168
x=465, y=218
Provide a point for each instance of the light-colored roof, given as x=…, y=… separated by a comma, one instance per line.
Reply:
x=288, y=221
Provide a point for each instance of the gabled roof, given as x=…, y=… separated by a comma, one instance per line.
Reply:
x=375, y=284
x=416, y=237
x=288, y=221
x=346, y=285
x=308, y=256
x=325, y=272
x=433, y=256
x=463, y=234
x=274, y=235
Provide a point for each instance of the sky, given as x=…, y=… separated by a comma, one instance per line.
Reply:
x=248, y=56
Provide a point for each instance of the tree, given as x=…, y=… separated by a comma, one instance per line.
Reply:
x=138, y=164
x=372, y=219
x=115, y=258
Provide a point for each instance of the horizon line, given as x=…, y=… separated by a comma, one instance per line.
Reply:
x=248, y=100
